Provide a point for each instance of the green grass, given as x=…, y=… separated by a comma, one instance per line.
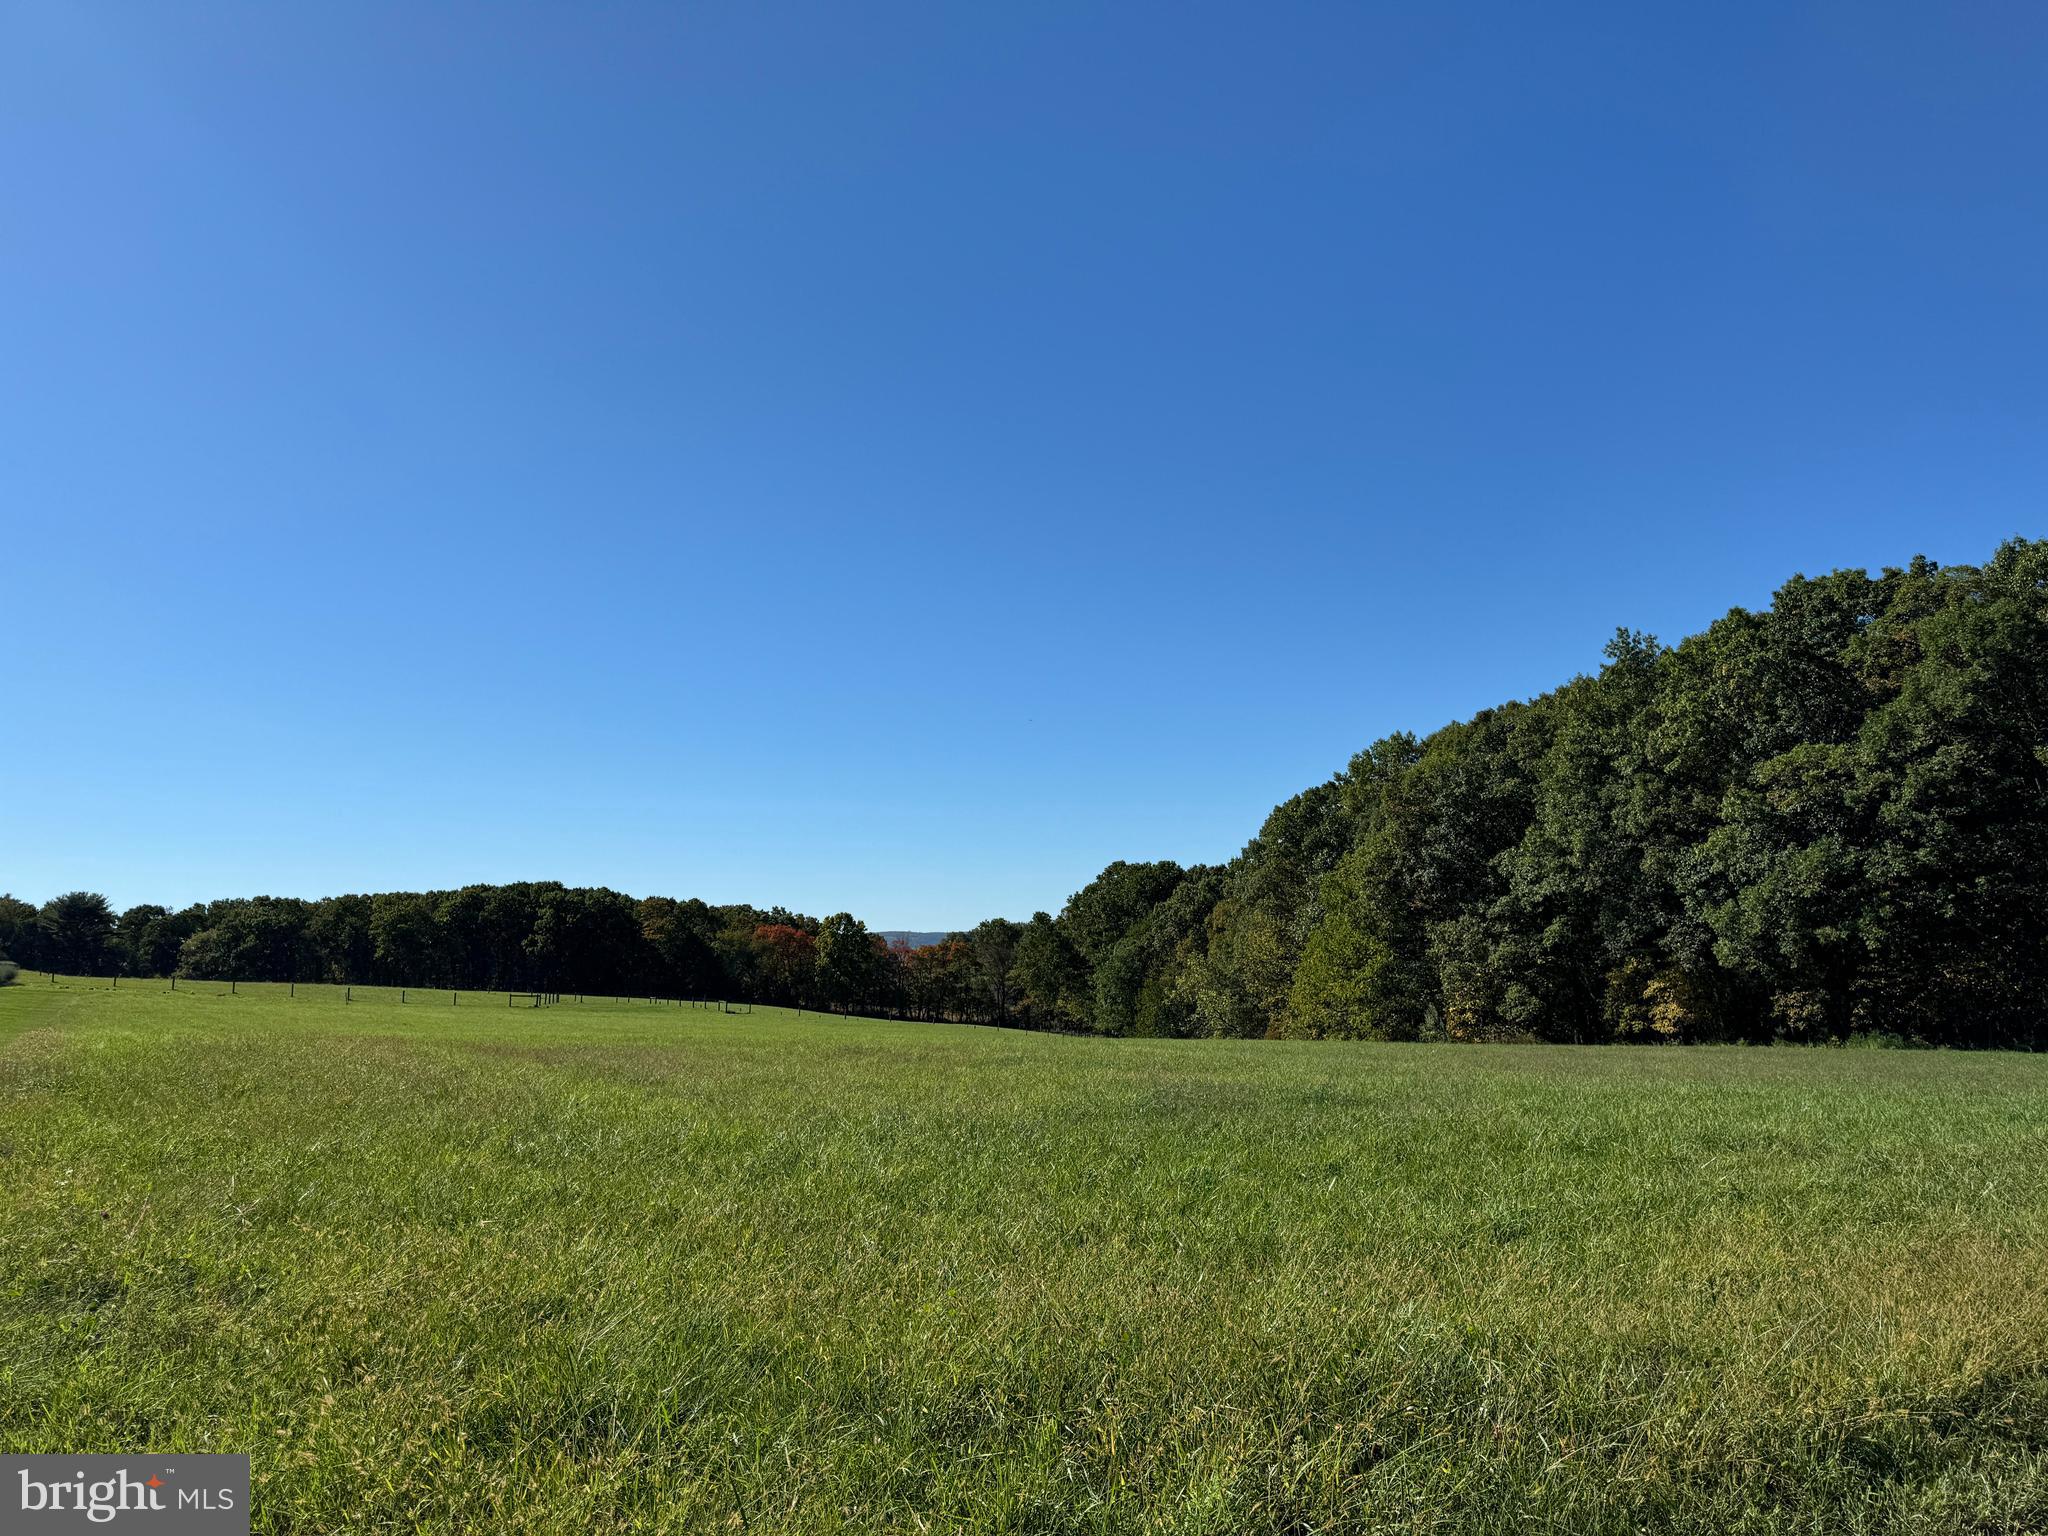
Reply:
x=629, y=1267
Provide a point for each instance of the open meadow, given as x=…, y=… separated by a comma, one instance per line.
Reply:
x=630, y=1266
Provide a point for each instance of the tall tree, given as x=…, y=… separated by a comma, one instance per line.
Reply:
x=851, y=966
x=1049, y=977
x=992, y=954
x=787, y=963
x=77, y=928
x=21, y=934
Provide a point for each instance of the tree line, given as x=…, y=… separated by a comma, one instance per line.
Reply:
x=1822, y=820
x=529, y=937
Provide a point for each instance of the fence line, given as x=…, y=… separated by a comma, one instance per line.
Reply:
x=407, y=996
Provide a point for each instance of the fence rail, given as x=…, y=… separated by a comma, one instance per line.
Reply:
x=348, y=992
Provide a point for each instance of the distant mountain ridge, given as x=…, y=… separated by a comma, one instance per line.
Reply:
x=914, y=940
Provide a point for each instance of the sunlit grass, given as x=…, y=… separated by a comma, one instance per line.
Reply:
x=629, y=1266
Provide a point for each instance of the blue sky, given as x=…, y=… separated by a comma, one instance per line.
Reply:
x=901, y=458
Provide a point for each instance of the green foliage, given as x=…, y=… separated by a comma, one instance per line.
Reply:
x=21, y=935
x=1237, y=978
x=1818, y=821
x=1049, y=976
x=260, y=937
x=682, y=937
x=940, y=981
x=991, y=956
x=1821, y=820
x=77, y=930
x=147, y=940
x=852, y=968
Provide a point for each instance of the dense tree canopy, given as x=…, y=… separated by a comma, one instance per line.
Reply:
x=1825, y=819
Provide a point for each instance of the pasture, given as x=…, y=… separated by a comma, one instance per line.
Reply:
x=607, y=1267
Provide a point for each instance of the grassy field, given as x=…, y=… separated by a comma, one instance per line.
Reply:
x=631, y=1267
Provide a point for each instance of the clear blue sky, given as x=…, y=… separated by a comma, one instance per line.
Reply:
x=903, y=457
